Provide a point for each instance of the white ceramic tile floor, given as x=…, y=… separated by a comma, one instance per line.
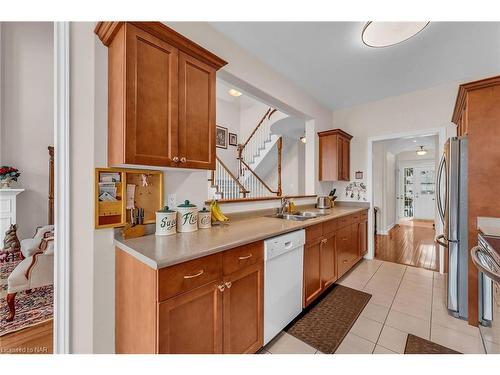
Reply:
x=404, y=300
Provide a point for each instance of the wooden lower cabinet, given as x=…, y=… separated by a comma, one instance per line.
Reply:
x=345, y=258
x=191, y=323
x=328, y=261
x=363, y=237
x=208, y=305
x=243, y=310
x=312, y=271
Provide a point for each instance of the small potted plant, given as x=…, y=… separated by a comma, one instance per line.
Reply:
x=7, y=175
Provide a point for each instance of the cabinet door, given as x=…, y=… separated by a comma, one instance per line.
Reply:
x=328, y=158
x=243, y=310
x=345, y=159
x=196, y=113
x=363, y=238
x=339, y=158
x=328, y=267
x=151, y=100
x=191, y=323
x=345, y=258
x=312, y=272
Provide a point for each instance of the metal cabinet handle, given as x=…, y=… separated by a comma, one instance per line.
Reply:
x=345, y=261
x=183, y=159
x=228, y=284
x=344, y=239
x=245, y=257
x=199, y=273
x=175, y=159
x=325, y=240
x=221, y=287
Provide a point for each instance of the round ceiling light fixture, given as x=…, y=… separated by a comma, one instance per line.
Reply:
x=421, y=151
x=303, y=139
x=234, y=93
x=385, y=34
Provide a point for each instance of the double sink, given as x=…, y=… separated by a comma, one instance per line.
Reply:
x=298, y=216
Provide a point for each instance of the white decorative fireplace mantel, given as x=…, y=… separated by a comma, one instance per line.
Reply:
x=8, y=199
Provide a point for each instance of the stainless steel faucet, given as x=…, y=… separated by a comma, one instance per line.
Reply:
x=284, y=206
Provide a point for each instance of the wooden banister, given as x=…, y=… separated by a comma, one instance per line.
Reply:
x=267, y=115
x=243, y=190
x=257, y=177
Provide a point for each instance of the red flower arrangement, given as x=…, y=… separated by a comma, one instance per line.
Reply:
x=9, y=173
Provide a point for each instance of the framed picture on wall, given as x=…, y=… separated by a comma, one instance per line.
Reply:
x=233, y=139
x=221, y=136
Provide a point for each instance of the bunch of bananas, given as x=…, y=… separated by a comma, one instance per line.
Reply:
x=217, y=215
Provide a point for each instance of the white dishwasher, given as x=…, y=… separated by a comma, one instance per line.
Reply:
x=283, y=274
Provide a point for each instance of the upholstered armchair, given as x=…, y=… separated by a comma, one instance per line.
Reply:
x=35, y=270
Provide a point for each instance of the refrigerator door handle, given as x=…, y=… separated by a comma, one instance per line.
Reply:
x=439, y=202
x=439, y=240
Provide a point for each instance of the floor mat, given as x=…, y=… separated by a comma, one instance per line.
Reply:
x=325, y=325
x=418, y=345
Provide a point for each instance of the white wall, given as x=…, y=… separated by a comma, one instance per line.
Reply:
x=390, y=191
x=228, y=116
x=27, y=125
x=384, y=186
x=425, y=109
x=292, y=167
x=82, y=153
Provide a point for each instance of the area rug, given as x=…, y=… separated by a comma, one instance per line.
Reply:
x=325, y=325
x=31, y=309
x=418, y=345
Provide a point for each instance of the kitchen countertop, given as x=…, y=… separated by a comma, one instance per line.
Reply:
x=163, y=251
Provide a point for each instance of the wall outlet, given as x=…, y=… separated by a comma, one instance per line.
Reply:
x=172, y=201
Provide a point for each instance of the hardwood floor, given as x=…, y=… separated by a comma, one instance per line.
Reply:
x=410, y=243
x=31, y=340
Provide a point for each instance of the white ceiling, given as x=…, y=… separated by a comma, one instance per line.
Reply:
x=399, y=145
x=329, y=60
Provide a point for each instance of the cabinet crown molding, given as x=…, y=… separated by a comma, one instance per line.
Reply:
x=464, y=88
x=335, y=132
x=107, y=30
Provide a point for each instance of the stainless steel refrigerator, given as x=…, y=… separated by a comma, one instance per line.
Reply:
x=451, y=201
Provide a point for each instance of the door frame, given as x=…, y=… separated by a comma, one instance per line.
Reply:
x=61, y=335
x=441, y=134
x=411, y=164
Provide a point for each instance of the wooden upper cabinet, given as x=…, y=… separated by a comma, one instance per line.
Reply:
x=151, y=125
x=196, y=113
x=334, y=155
x=161, y=97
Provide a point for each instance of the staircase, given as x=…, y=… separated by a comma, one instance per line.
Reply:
x=248, y=184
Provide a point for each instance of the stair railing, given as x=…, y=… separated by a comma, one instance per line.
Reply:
x=226, y=183
x=257, y=138
x=255, y=186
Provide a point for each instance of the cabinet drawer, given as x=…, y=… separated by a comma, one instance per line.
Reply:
x=344, y=265
x=343, y=221
x=189, y=275
x=355, y=218
x=330, y=226
x=241, y=257
x=314, y=232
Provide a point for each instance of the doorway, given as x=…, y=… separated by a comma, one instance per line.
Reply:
x=403, y=175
